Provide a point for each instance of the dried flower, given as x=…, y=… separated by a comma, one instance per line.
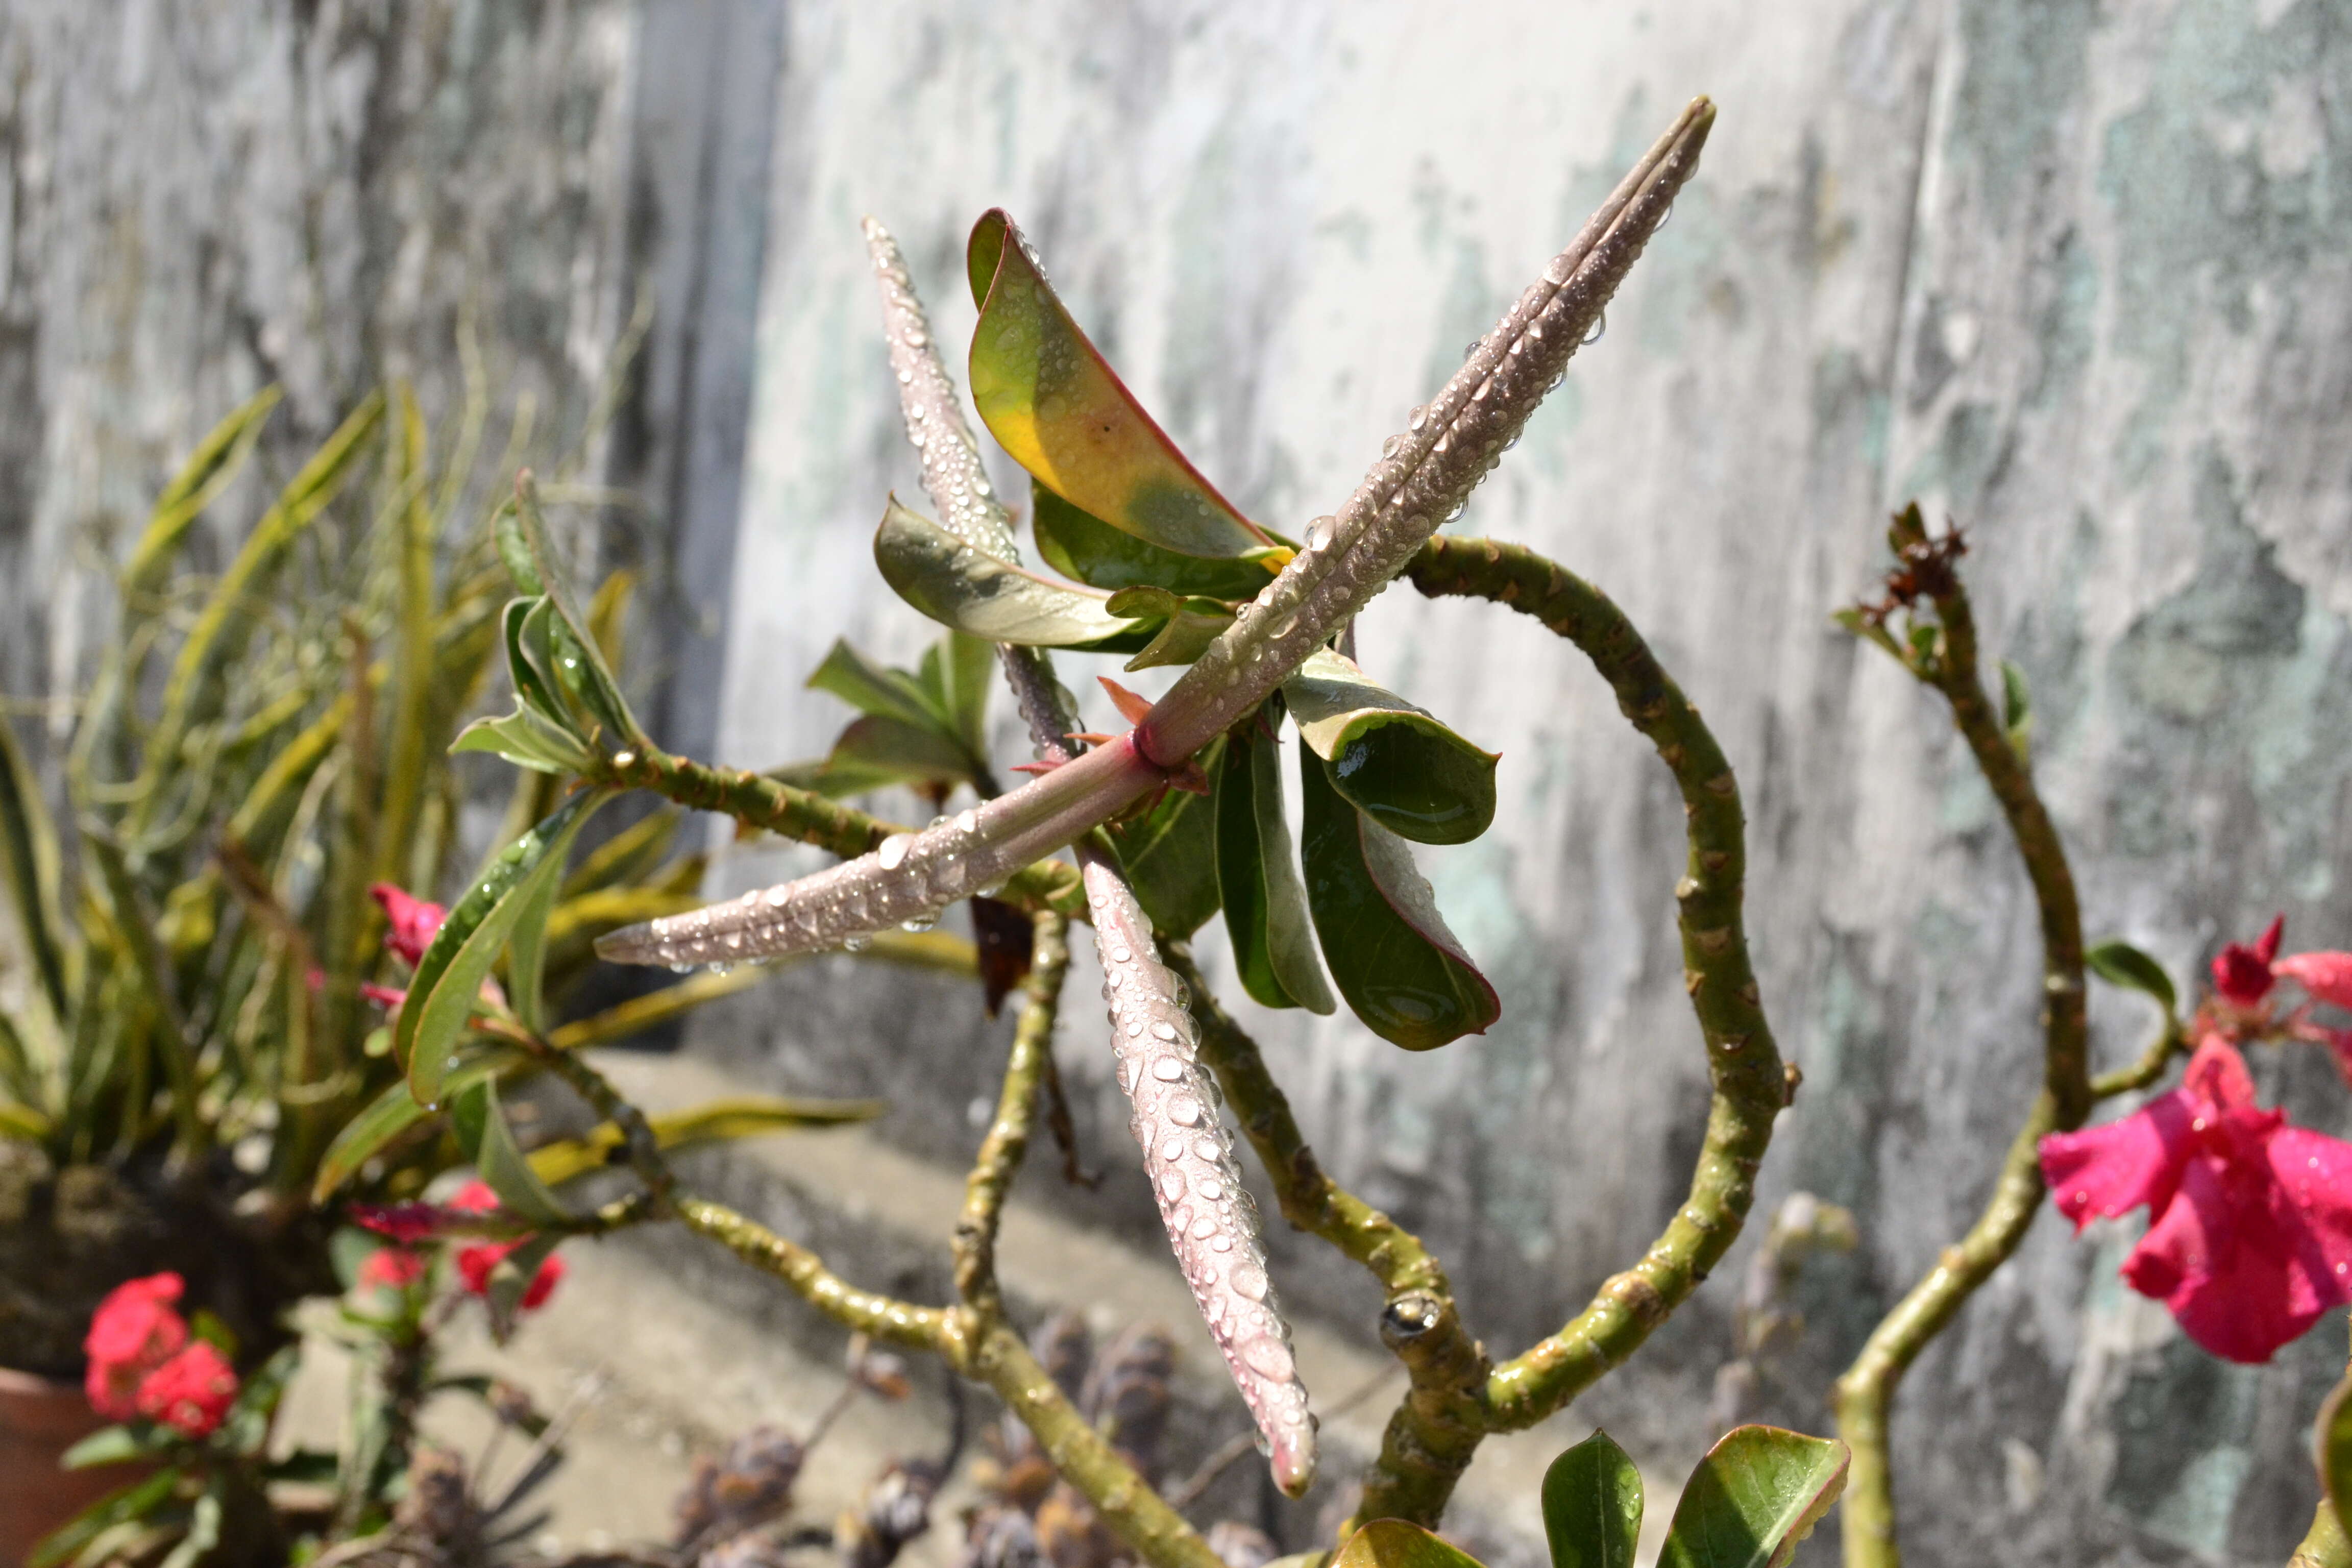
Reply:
x=2249, y=1233
x=191, y=1392
x=135, y=1330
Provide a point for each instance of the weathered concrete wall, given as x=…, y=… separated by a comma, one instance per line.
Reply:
x=2075, y=275
x=201, y=197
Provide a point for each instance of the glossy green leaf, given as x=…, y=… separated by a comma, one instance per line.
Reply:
x=2121, y=964
x=1416, y=777
x=1401, y=971
x=1051, y=402
x=873, y=751
x=1257, y=878
x=1592, y=1506
x=396, y=1110
x=1393, y=1543
x=1758, y=1492
x=1187, y=626
x=480, y=1122
x=720, y=1121
x=526, y=740
x=2334, y=1435
x=958, y=673
x=574, y=664
x=974, y=592
x=1170, y=854
x=449, y=976
x=1078, y=544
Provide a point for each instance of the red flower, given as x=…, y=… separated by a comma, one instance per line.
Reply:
x=2243, y=973
x=474, y=1197
x=2250, y=1233
x=191, y=1392
x=401, y=1221
x=135, y=1330
x=383, y=996
x=2327, y=975
x=476, y=1263
x=413, y=921
x=390, y=1268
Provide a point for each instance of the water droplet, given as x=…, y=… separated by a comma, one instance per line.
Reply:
x=1208, y=1148
x=1599, y=325
x=1418, y=417
x=1320, y=532
x=624, y=759
x=1183, y=1111
x=1663, y=218
x=1268, y=1357
x=922, y=921
x=1250, y=1281
x=1167, y=1031
x=967, y=820
x=1172, y=1148
x=857, y=944
x=1168, y=1070
x=1204, y=1227
x=1389, y=446
x=1555, y=270
x=1171, y=1185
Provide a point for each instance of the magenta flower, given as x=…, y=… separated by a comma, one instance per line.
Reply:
x=2241, y=973
x=412, y=921
x=2249, y=1233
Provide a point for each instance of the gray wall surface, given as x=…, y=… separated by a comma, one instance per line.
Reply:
x=2074, y=275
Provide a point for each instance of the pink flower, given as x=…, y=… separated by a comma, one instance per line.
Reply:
x=476, y=1263
x=401, y=1221
x=474, y=1197
x=2249, y=1233
x=191, y=1392
x=2241, y=973
x=383, y=996
x=2327, y=975
x=135, y=1330
x=390, y=1268
x=413, y=921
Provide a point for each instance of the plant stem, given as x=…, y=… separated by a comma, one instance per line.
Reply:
x=1751, y=1085
x=1863, y=1398
x=792, y=812
x=1002, y=1152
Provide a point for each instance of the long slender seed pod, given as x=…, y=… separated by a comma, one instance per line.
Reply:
x=1212, y=1226
x=1426, y=474
x=1212, y=1221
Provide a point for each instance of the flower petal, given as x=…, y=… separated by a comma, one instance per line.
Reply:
x=2243, y=973
x=2327, y=975
x=2104, y=1171
x=2216, y=1078
x=2219, y=1259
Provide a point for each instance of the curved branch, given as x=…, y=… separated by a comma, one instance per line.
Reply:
x=1863, y=1398
x=1751, y=1085
x=1002, y=1152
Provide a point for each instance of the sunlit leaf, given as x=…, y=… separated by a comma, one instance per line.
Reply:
x=2121, y=964
x=449, y=976
x=208, y=471
x=958, y=673
x=1078, y=544
x=526, y=740
x=1401, y=971
x=963, y=587
x=1257, y=879
x=629, y=856
x=1188, y=626
x=1416, y=777
x=874, y=689
x=1052, y=404
x=1393, y=1543
x=720, y=1121
x=1758, y=1492
x=1592, y=1506
x=1170, y=854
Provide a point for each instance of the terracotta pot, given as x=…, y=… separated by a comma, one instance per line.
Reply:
x=39, y=1420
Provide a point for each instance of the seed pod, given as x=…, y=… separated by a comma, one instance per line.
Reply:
x=1212, y=1221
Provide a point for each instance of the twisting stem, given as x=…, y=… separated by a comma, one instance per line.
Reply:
x=1002, y=1152
x=1865, y=1395
x=636, y=1133
x=1441, y=1419
x=898, y=1322
x=1750, y=1084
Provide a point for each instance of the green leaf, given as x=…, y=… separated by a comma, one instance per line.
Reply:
x=30, y=860
x=577, y=665
x=2334, y=1433
x=1170, y=854
x=2016, y=711
x=628, y=857
x=135, y=1501
x=1189, y=627
x=208, y=471
x=719, y=1121
x=1401, y=971
x=1078, y=544
x=449, y=979
x=107, y=1445
x=959, y=672
x=1257, y=879
x=961, y=586
x=482, y=1132
x=512, y=1276
x=874, y=689
x=1393, y=1543
x=873, y=751
x=1592, y=1506
x=1052, y=404
x=526, y=740
x=1758, y=1492
x=1413, y=775
x=2121, y=964
x=203, y=1530
x=384, y=1118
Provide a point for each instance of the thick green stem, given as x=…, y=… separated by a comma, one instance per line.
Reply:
x=1865, y=1396
x=1751, y=1085
x=789, y=812
x=1002, y=1152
